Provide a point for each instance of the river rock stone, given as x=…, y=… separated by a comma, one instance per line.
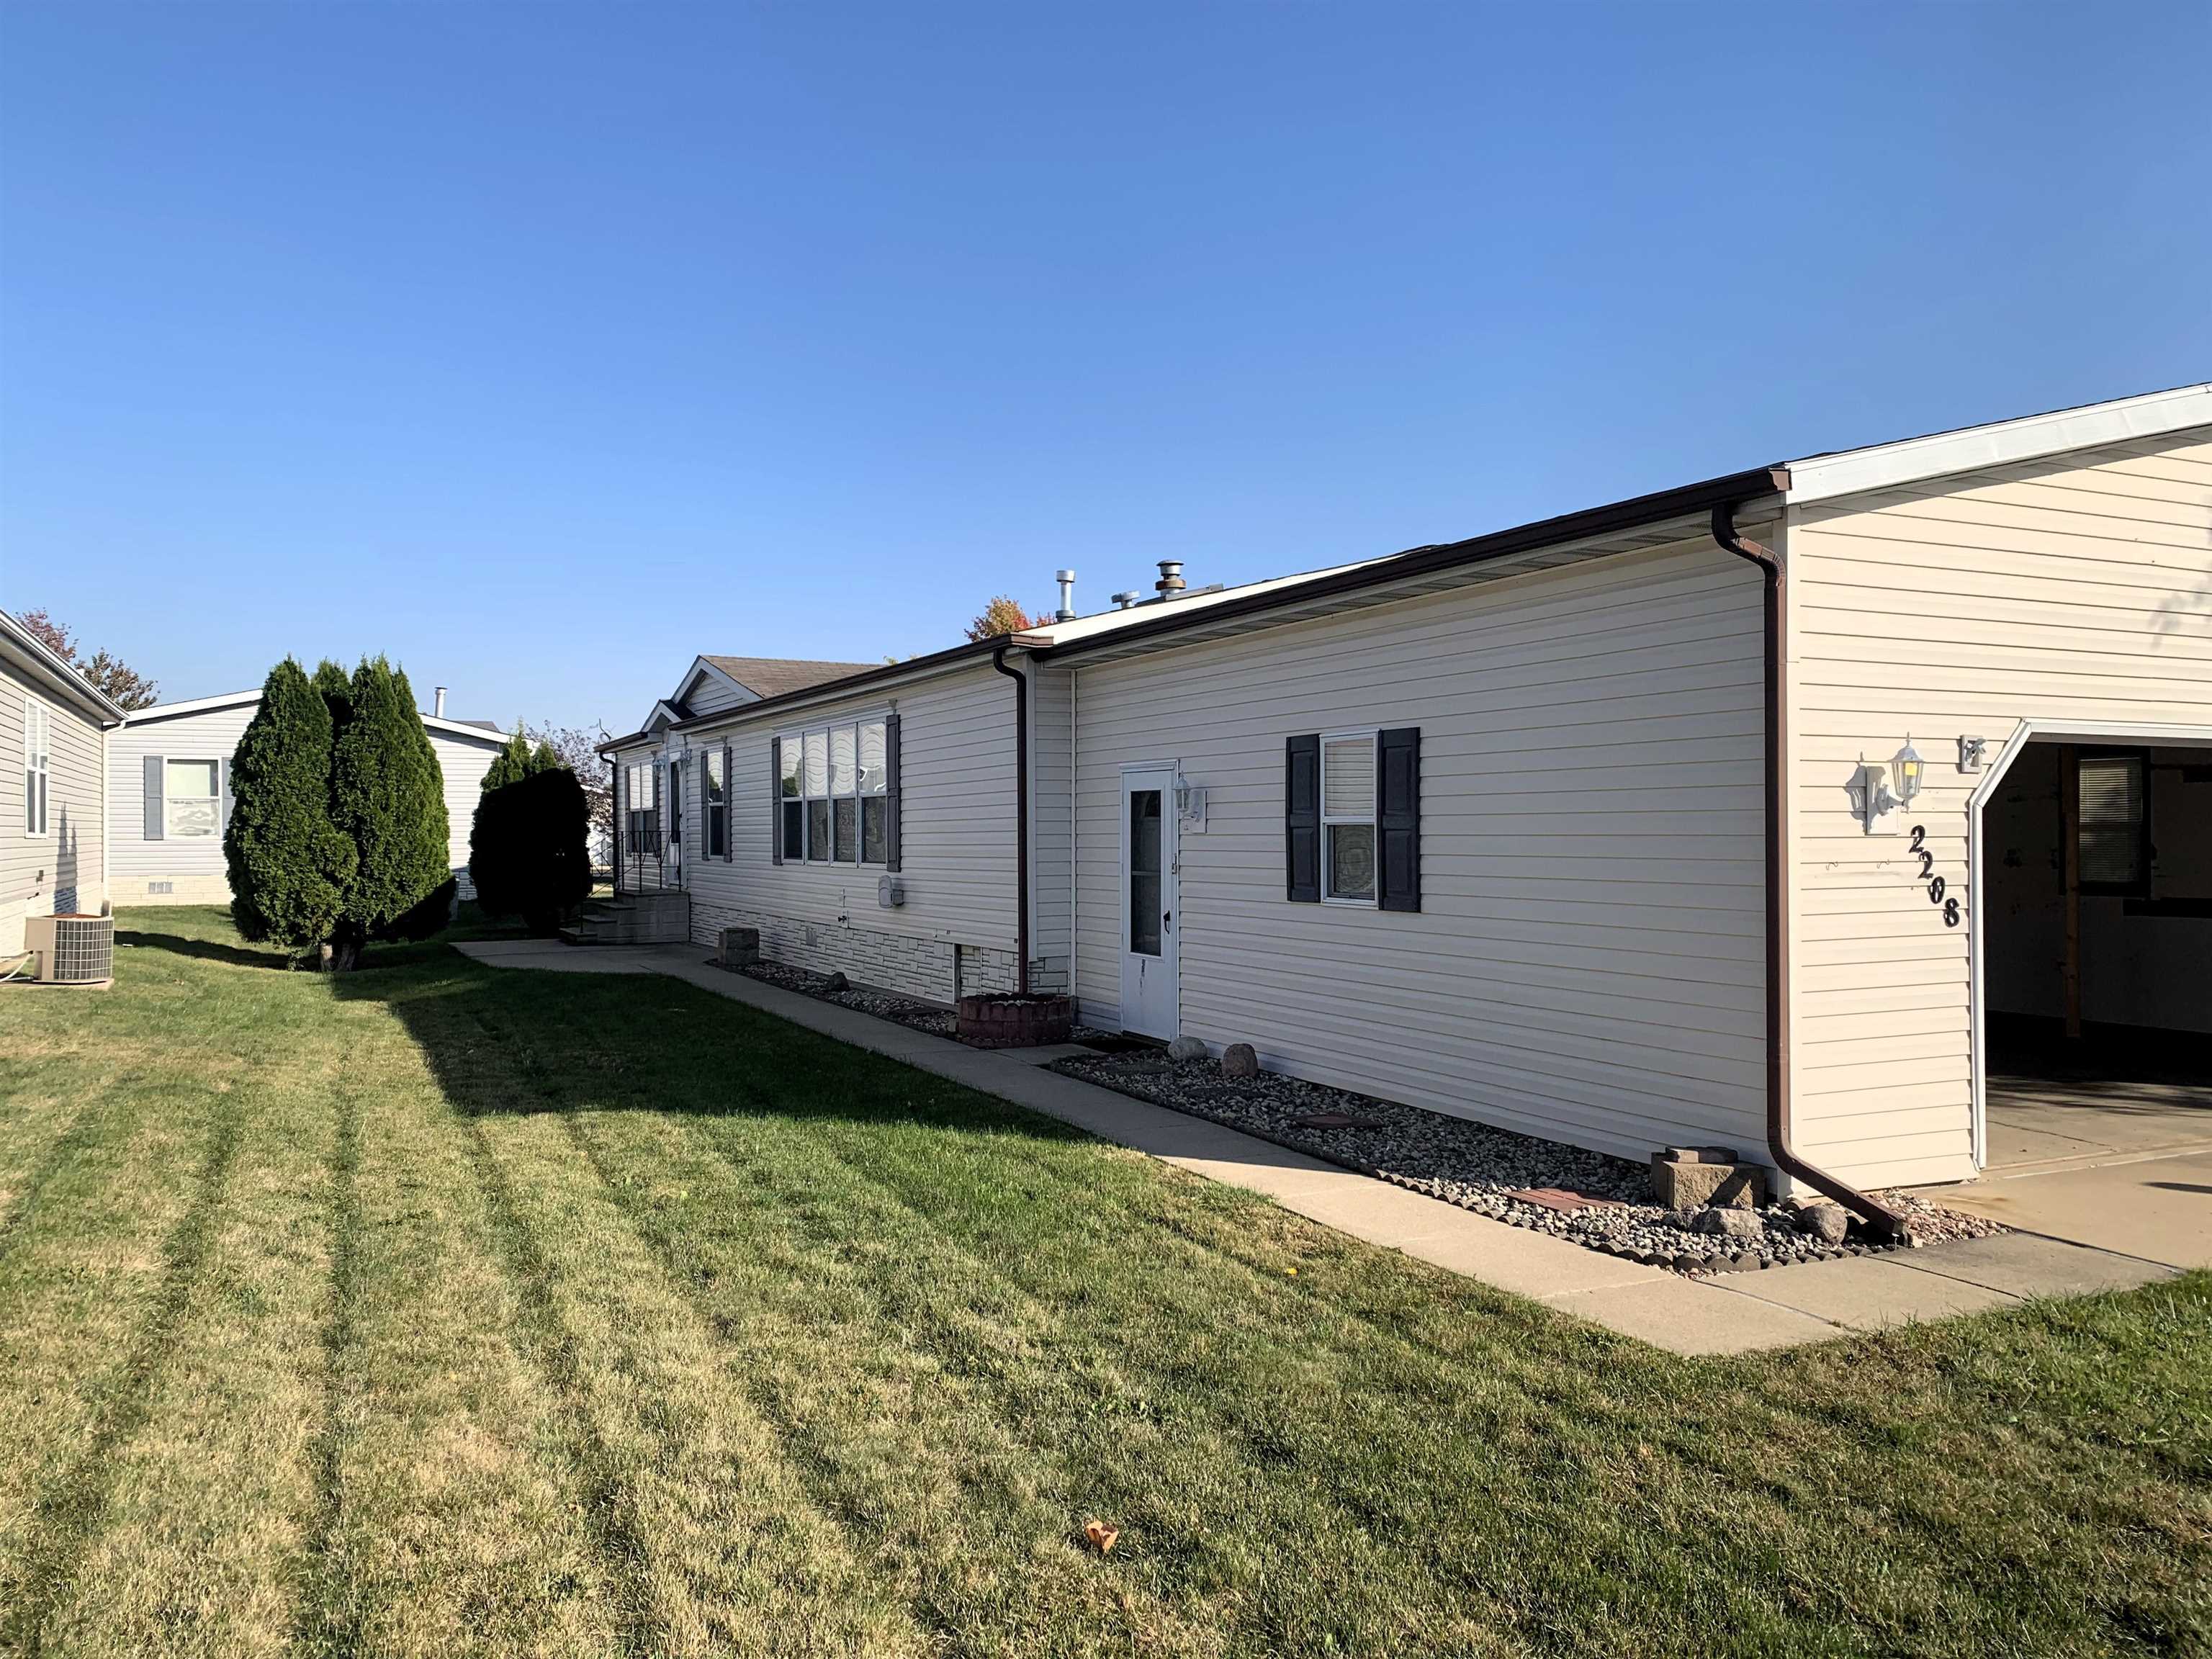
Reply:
x=1729, y=1222
x=1186, y=1048
x=1826, y=1222
x=1238, y=1060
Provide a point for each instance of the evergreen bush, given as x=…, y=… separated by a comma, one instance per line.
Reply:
x=388, y=797
x=288, y=864
x=527, y=851
x=511, y=763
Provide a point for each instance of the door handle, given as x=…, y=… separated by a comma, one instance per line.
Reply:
x=1167, y=919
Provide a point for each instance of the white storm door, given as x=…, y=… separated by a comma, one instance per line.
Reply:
x=1148, y=902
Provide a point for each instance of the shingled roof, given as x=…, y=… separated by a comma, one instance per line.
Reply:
x=774, y=676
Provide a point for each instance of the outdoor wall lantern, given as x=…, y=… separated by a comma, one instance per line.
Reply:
x=1904, y=768
x=1190, y=804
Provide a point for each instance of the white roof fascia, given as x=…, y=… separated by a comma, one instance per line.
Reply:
x=162, y=711
x=1105, y=621
x=463, y=729
x=1884, y=466
x=61, y=675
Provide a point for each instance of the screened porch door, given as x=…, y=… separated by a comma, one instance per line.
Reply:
x=1148, y=902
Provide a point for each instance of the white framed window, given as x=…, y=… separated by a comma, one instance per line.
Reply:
x=716, y=806
x=834, y=782
x=1347, y=818
x=640, y=825
x=191, y=798
x=38, y=762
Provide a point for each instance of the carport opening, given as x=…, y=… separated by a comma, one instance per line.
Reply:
x=2096, y=942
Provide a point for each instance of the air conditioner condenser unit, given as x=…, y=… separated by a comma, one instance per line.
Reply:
x=71, y=950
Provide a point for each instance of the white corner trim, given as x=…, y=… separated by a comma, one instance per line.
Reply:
x=1820, y=477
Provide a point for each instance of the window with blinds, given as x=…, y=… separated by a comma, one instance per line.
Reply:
x=836, y=802
x=2115, y=824
x=1347, y=815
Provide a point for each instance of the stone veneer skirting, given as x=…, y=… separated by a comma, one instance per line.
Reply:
x=918, y=966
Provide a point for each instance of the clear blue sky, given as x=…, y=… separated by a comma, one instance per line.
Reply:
x=541, y=347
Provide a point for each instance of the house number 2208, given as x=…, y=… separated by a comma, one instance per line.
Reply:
x=1919, y=850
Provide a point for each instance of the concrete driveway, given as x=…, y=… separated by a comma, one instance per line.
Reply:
x=2157, y=1208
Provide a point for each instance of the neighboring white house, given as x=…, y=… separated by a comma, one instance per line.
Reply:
x=168, y=794
x=1590, y=827
x=53, y=730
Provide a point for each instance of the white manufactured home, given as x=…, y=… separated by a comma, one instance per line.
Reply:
x=168, y=794
x=54, y=729
x=1794, y=809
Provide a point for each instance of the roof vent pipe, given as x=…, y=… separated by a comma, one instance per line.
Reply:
x=1123, y=601
x=1170, y=582
x=1067, y=581
x=438, y=704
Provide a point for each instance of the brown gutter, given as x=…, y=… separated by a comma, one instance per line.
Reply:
x=1881, y=1220
x=1633, y=513
x=1021, y=814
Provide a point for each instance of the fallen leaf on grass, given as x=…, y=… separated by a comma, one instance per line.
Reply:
x=1101, y=1535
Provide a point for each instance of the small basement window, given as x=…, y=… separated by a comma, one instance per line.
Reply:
x=191, y=798
x=1348, y=817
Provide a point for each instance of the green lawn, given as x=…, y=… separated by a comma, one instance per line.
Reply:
x=439, y=1310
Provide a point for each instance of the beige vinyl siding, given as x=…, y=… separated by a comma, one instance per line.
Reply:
x=462, y=763
x=1588, y=960
x=2076, y=589
x=192, y=868
x=1052, y=772
x=64, y=864
x=956, y=775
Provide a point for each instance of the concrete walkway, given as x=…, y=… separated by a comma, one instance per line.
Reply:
x=1733, y=1314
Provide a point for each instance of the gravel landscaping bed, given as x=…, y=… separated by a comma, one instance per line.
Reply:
x=1481, y=1169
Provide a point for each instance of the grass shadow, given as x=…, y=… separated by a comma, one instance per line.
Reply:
x=205, y=950
x=516, y=1042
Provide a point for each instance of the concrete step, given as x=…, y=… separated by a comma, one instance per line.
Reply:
x=632, y=919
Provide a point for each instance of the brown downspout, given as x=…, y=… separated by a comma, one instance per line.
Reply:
x=1021, y=818
x=1879, y=1218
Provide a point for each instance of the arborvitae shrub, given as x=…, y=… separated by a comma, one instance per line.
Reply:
x=289, y=864
x=388, y=797
x=527, y=851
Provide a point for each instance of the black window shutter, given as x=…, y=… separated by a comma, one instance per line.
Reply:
x=891, y=813
x=1302, y=818
x=150, y=769
x=776, y=800
x=729, y=806
x=1398, y=817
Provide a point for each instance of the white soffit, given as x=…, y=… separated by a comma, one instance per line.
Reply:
x=1849, y=471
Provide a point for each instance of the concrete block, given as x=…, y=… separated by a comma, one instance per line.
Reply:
x=1682, y=1184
